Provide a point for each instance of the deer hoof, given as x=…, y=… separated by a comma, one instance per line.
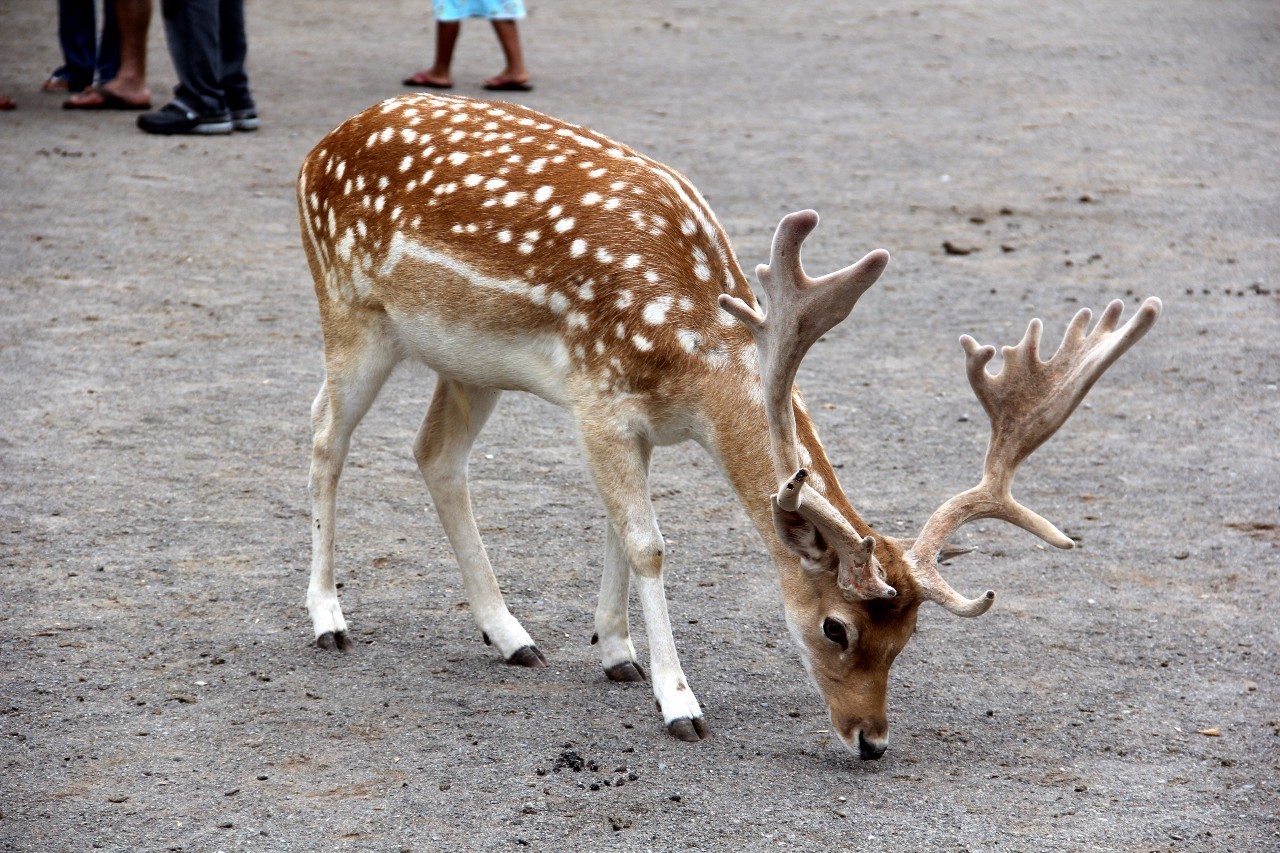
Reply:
x=626, y=672
x=334, y=641
x=528, y=656
x=689, y=730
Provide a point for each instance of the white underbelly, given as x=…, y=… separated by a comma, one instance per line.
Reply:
x=537, y=363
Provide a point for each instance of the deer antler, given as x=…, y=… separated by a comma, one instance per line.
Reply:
x=801, y=310
x=1026, y=402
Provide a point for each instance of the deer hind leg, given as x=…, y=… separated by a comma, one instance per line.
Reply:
x=620, y=466
x=355, y=369
x=458, y=412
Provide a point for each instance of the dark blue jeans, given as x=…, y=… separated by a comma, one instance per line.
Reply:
x=85, y=57
x=208, y=46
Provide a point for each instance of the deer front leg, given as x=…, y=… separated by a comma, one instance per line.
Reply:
x=617, y=654
x=457, y=414
x=620, y=465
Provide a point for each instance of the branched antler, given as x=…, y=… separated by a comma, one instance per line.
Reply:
x=1027, y=401
x=800, y=311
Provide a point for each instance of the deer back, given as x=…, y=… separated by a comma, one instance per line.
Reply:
x=515, y=250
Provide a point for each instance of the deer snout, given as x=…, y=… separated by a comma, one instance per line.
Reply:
x=868, y=739
x=871, y=750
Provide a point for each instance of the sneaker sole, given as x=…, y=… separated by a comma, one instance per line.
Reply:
x=209, y=129
x=213, y=127
x=244, y=124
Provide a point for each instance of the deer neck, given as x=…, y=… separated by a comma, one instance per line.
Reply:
x=740, y=444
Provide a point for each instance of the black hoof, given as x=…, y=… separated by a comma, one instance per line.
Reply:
x=689, y=730
x=331, y=641
x=628, y=672
x=528, y=656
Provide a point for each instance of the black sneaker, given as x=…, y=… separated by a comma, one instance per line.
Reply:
x=177, y=118
x=245, y=119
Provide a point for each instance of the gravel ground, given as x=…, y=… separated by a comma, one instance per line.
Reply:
x=159, y=350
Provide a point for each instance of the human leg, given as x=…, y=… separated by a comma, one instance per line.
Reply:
x=128, y=89
x=515, y=77
x=194, y=34
x=77, y=37
x=107, y=65
x=437, y=76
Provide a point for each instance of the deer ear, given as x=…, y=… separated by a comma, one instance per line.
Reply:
x=802, y=538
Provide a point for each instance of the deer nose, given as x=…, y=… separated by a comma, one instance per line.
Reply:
x=869, y=750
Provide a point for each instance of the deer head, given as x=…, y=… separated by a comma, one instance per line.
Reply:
x=852, y=604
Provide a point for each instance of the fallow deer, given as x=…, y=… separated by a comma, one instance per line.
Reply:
x=509, y=250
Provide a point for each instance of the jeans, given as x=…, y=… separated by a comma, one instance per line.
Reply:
x=208, y=46
x=85, y=57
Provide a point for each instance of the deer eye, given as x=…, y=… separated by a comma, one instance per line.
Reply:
x=833, y=630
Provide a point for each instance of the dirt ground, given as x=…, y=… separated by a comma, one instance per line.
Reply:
x=159, y=350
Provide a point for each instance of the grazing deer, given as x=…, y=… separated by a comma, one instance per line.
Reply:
x=511, y=251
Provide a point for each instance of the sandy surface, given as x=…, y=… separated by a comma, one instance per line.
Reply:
x=159, y=350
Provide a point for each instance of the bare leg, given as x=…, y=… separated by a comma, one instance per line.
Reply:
x=509, y=38
x=130, y=82
x=437, y=76
x=458, y=412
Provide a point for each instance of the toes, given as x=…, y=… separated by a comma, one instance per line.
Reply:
x=689, y=730
x=528, y=656
x=627, y=672
x=334, y=641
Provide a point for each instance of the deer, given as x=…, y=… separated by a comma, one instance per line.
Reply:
x=511, y=251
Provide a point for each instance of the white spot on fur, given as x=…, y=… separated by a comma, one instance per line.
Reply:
x=542, y=194
x=457, y=158
x=642, y=343
x=564, y=225
x=656, y=311
x=591, y=198
x=578, y=248
x=603, y=256
x=408, y=134
x=494, y=184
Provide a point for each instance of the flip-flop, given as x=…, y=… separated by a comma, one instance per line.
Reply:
x=418, y=80
x=109, y=101
x=56, y=83
x=496, y=85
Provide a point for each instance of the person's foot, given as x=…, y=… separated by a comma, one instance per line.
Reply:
x=503, y=83
x=176, y=118
x=428, y=80
x=59, y=82
x=102, y=98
